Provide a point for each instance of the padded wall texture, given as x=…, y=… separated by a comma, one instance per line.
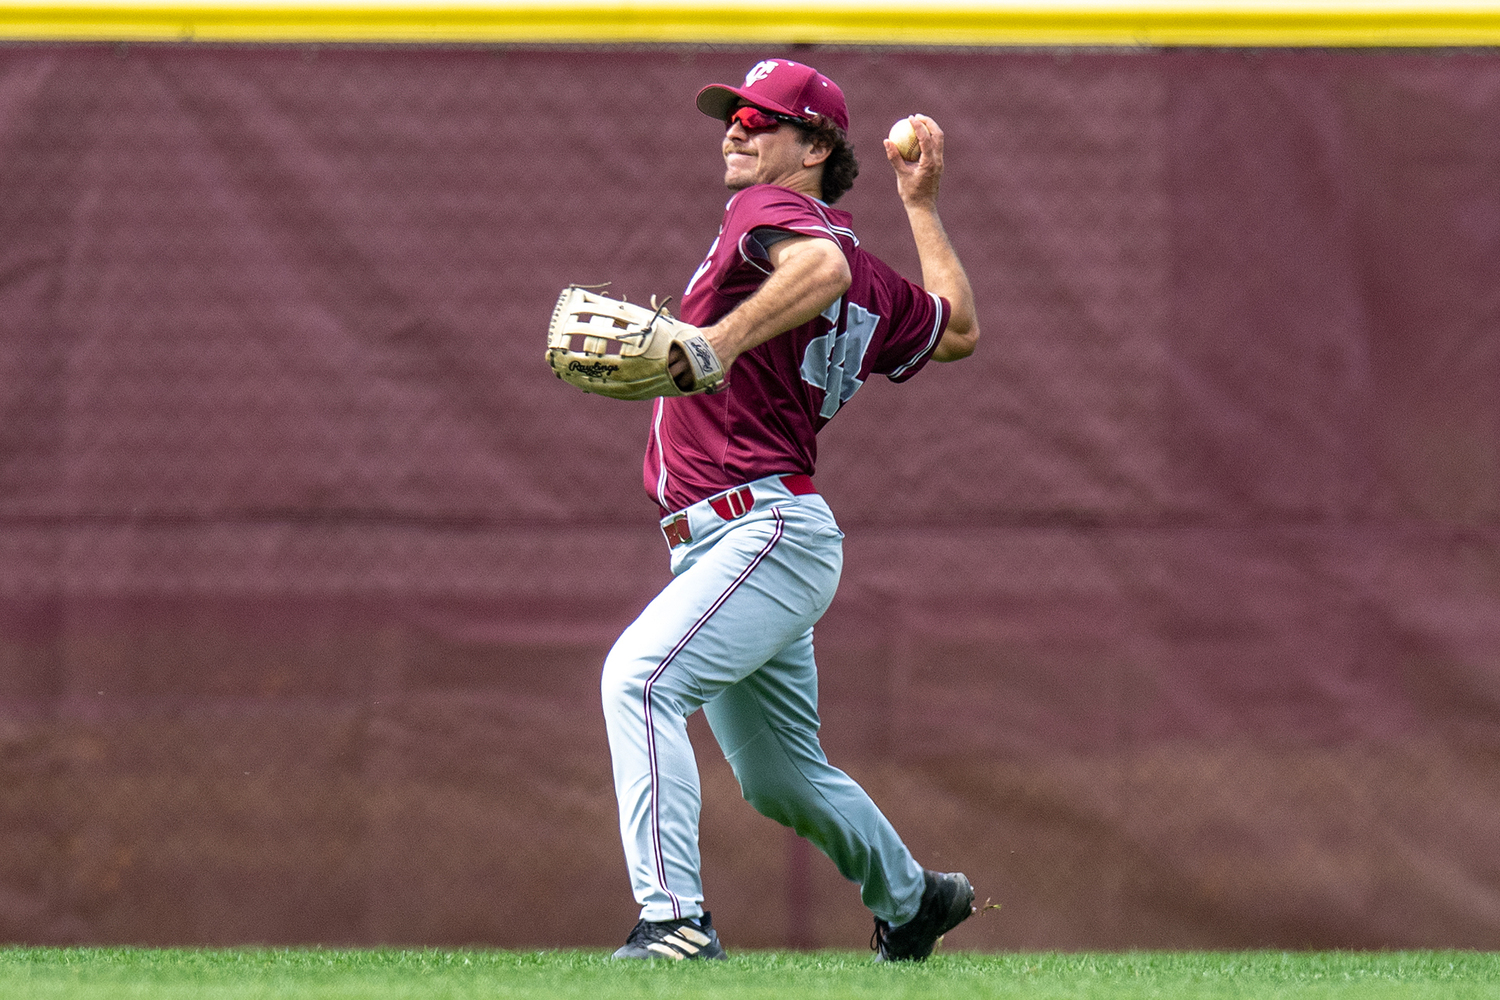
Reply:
x=1172, y=616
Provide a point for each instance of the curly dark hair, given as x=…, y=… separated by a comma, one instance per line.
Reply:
x=841, y=167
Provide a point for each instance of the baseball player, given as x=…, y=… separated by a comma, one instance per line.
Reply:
x=800, y=316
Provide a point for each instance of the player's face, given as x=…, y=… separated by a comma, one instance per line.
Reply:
x=759, y=149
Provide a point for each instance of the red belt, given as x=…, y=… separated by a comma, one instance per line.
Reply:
x=799, y=485
x=732, y=504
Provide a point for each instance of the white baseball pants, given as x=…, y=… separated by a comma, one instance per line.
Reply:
x=733, y=634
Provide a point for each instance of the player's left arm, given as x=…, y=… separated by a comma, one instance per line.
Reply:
x=808, y=274
x=942, y=271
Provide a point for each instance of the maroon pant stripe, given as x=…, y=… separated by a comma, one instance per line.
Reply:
x=656, y=847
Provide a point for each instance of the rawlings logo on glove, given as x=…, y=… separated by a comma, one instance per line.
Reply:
x=619, y=349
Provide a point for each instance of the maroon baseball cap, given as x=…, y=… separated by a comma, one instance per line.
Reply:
x=779, y=85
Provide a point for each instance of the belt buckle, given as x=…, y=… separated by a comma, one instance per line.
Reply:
x=677, y=531
x=733, y=503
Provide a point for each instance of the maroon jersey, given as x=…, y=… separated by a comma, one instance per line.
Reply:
x=784, y=391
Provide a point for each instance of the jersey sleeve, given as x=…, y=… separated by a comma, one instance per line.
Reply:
x=770, y=207
x=918, y=319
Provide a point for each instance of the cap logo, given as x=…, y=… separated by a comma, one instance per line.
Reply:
x=759, y=72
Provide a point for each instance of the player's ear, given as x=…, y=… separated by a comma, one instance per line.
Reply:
x=816, y=153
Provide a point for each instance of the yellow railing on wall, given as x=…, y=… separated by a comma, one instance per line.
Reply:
x=871, y=22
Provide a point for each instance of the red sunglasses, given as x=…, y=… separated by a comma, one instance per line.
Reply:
x=754, y=120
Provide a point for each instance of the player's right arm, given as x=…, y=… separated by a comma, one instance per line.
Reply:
x=808, y=274
x=942, y=272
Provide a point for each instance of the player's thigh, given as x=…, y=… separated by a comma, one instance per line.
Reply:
x=743, y=601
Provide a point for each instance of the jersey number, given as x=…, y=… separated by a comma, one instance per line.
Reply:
x=833, y=361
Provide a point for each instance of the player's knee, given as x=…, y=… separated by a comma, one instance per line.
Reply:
x=766, y=804
x=769, y=796
x=622, y=680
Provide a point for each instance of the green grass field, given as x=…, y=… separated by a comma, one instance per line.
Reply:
x=222, y=974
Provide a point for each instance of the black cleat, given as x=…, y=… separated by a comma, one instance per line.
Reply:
x=691, y=937
x=947, y=901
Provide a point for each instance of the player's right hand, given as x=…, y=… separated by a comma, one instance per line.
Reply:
x=917, y=180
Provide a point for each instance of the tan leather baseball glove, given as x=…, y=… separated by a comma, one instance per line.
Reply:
x=622, y=350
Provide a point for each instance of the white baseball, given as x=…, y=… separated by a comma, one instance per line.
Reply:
x=905, y=138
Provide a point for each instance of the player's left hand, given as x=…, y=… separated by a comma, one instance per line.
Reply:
x=679, y=368
x=635, y=353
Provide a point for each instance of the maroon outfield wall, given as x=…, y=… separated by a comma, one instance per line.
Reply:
x=1171, y=616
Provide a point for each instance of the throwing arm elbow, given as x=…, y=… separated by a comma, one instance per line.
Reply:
x=957, y=342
